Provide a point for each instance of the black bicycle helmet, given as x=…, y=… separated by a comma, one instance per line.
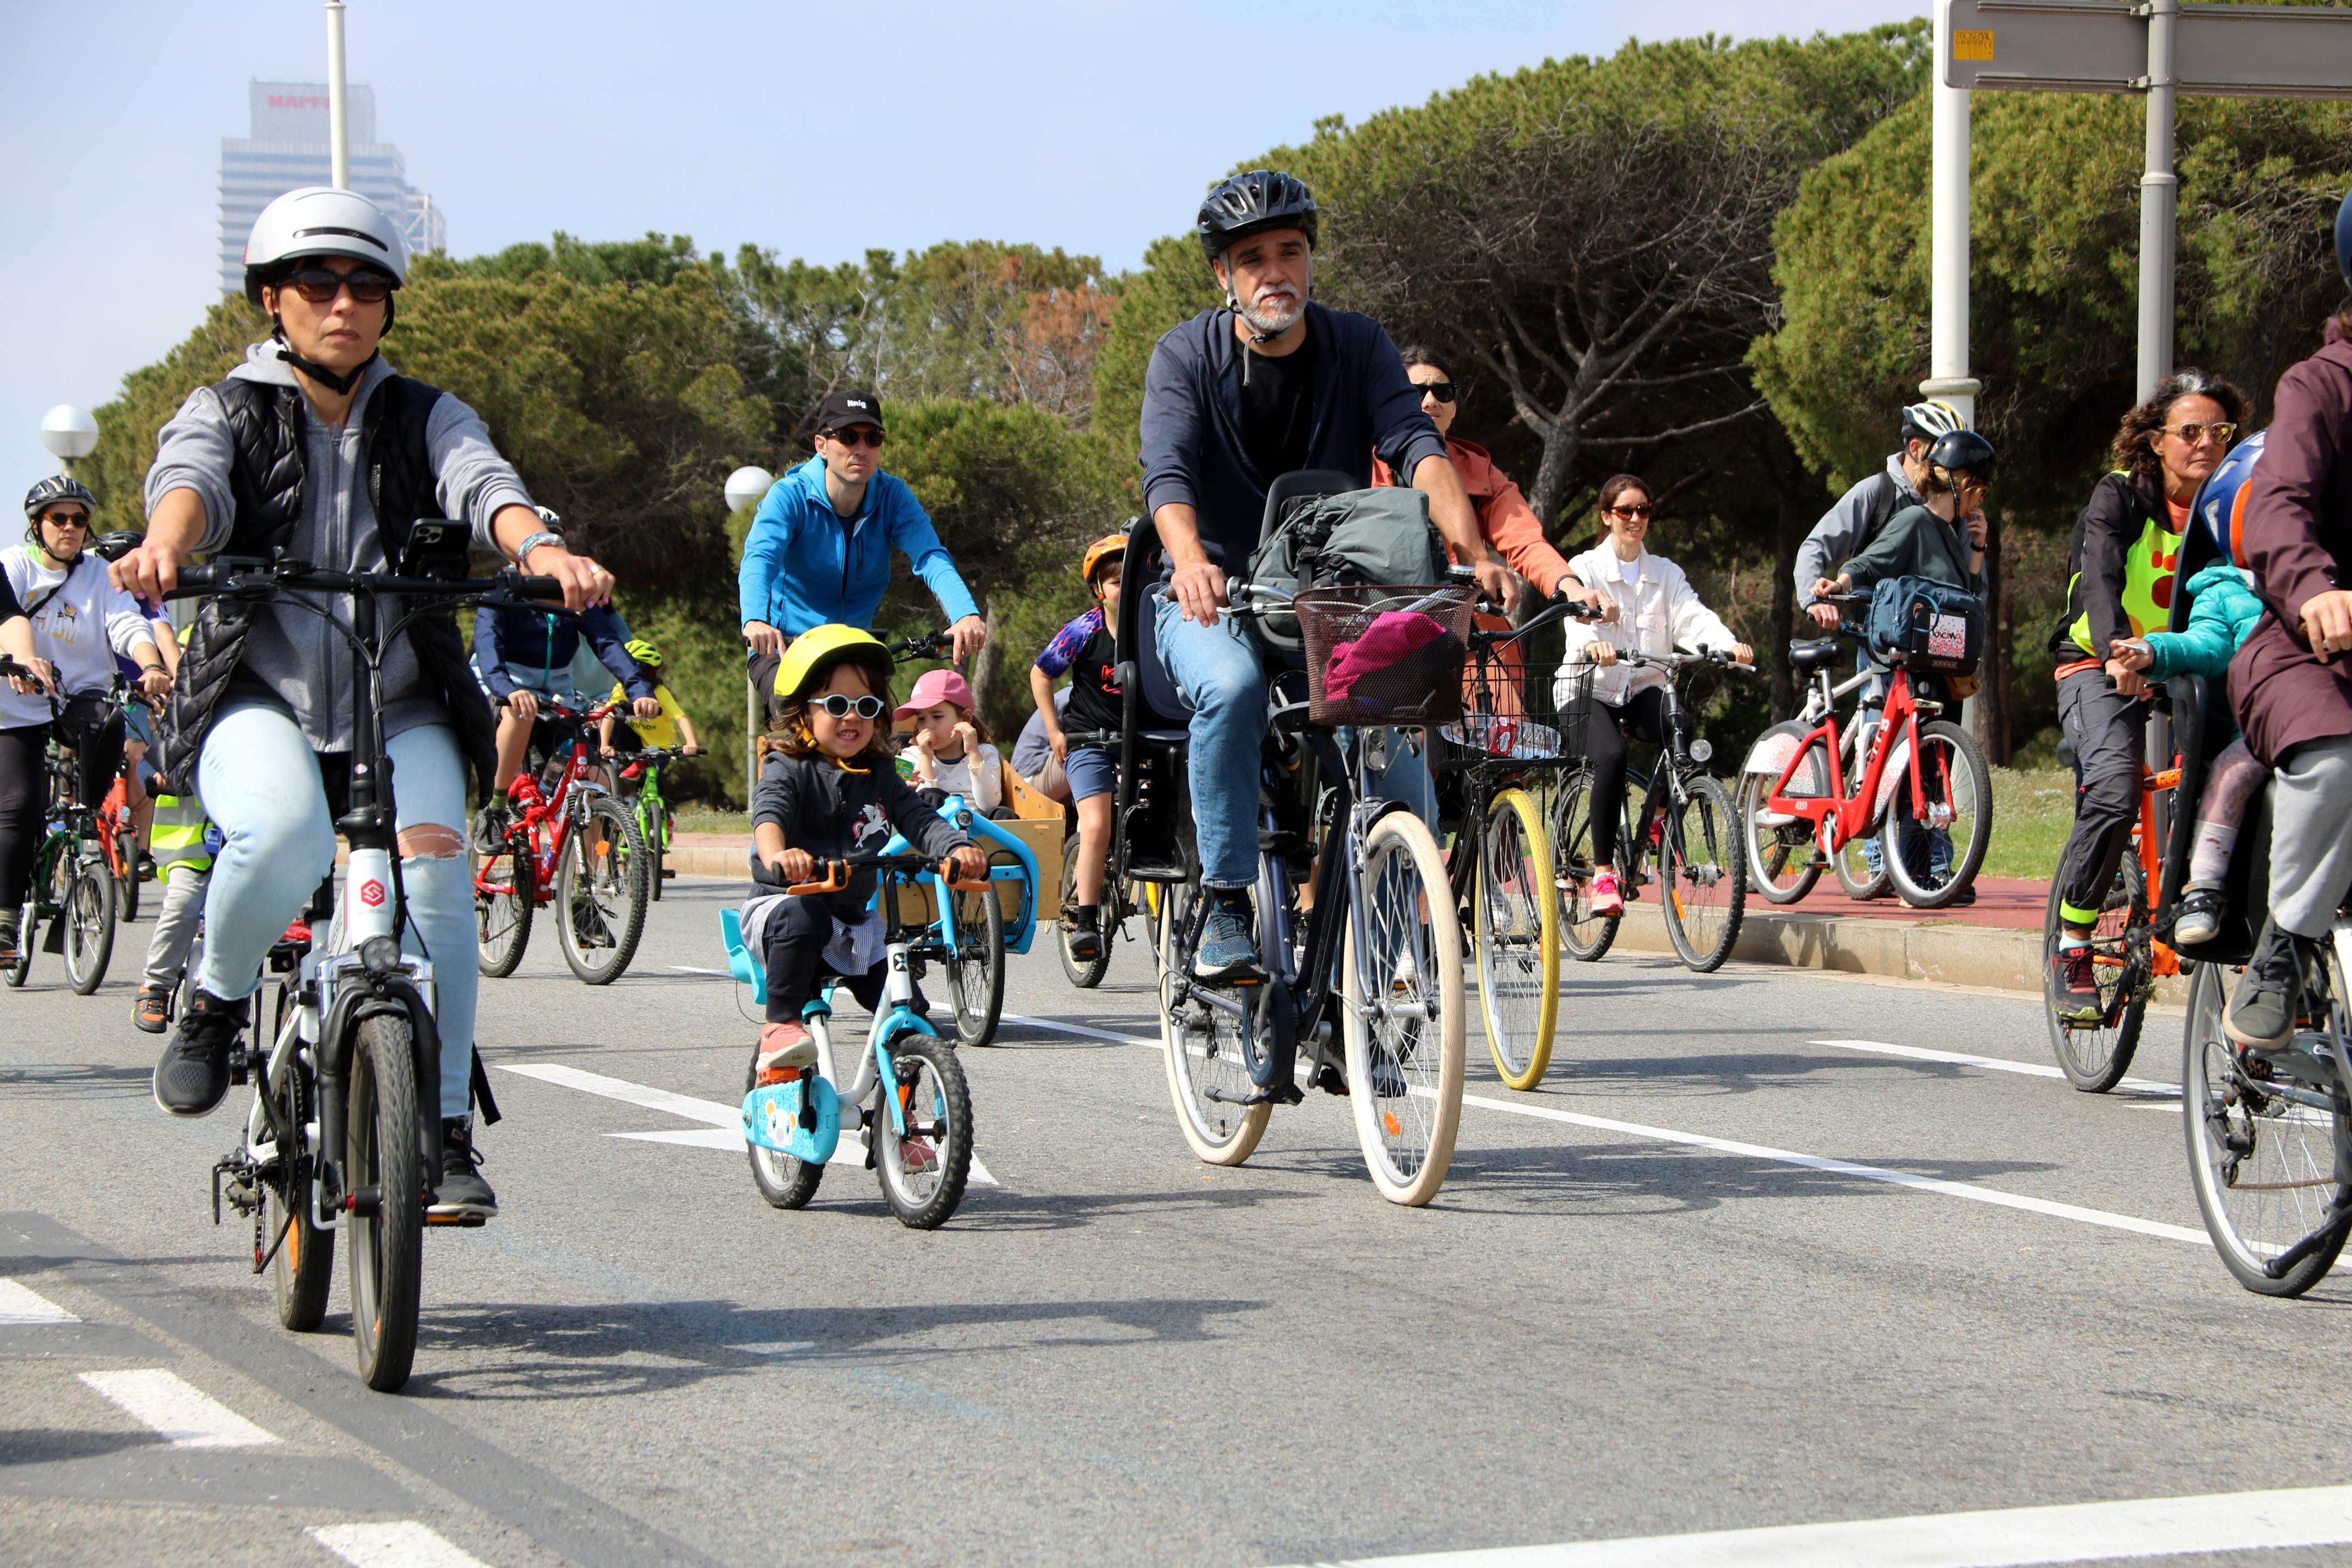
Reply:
x=47, y=494
x=1251, y=203
x=1963, y=451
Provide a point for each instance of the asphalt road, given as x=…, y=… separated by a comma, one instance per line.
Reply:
x=1695, y=1283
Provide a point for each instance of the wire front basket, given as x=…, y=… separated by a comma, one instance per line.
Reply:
x=1384, y=655
x=1520, y=712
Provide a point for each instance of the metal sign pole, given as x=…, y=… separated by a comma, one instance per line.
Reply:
x=2160, y=200
x=338, y=134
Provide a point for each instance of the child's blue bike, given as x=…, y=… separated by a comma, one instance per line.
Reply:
x=968, y=932
x=918, y=1135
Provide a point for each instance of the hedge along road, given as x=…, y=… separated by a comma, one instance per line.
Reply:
x=1767, y=1249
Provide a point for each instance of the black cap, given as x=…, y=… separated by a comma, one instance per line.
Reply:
x=842, y=409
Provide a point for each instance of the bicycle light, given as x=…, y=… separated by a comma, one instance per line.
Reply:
x=379, y=955
x=1701, y=749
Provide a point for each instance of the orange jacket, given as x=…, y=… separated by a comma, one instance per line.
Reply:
x=1509, y=524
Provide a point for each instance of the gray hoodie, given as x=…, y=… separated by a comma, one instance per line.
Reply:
x=1845, y=528
x=293, y=659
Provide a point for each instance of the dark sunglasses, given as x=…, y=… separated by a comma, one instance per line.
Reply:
x=66, y=519
x=1441, y=390
x=320, y=285
x=1632, y=510
x=850, y=437
x=2194, y=435
x=842, y=707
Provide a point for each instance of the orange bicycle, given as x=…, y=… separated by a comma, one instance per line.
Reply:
x=2094, y=1050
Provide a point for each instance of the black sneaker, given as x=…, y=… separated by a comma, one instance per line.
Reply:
x=461, y=1193
x=2263, y=1012
x=193, y=1078
x=1085, y=933
x=2075, y=985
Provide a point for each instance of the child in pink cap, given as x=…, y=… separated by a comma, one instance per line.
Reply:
x=951, y=750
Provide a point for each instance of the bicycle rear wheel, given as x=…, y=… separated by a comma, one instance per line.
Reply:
x=503, y=905
x=923, y=1173
x=976, y=971
x=1958, y=788
x=600, y=893
x=1204, y=1050
x=1704, y=874
x=2268, y=1169
x=1404, y=1041
x=384, y=1167
x=2096, y=1053
x=1518, y=939
x=1855, y=873
x=1084, y=972
x=1781, y=862
x=305, y=1265
x=1584, y=935
x=87, y=908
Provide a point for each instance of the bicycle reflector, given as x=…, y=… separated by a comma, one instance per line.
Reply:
x=379, y=955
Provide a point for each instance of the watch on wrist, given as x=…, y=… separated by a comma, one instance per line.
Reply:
x=544, y=536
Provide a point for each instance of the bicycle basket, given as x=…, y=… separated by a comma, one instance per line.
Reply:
x=1384, y=655
x=1536, y=713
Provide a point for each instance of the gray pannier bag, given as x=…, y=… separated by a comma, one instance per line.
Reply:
x=1377, y=538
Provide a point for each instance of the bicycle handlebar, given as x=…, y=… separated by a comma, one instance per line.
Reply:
x=246, y=574
x=927, y=645
x=838, y=869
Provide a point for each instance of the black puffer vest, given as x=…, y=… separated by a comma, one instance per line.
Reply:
x=267, y=481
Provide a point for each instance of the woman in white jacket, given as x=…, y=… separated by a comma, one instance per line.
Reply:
x=1657, y=612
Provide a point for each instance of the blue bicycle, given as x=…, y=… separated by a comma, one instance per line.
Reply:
x=918, y=1134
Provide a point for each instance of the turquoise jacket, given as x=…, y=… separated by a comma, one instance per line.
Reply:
x=2222, y=613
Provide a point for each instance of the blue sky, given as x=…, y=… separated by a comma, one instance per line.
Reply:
x=816, y=130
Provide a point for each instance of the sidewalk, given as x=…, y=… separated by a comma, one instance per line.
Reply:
x=1996, y=942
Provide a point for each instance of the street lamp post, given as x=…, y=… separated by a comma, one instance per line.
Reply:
x=69, y=433
x=745, y=486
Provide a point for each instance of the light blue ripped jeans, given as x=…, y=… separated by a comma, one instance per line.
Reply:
x=260, y=783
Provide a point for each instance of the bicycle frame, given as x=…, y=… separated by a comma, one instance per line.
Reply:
x=1020, y=929
x=559, y=813
x=1840, y=816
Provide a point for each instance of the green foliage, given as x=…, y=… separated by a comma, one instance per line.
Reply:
x=1174, y=286
x=151, y=395
x=702, y=663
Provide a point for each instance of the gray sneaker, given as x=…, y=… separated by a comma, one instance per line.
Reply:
x=2263, y=1012
x=1227, y=952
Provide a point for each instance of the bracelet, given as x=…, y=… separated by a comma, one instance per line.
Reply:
x=156, y=667
x=544, y=536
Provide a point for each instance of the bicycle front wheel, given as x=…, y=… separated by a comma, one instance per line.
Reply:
x=1782, y=861
x=1403, y=1011
x=1518, y=939
x=2261, y=1157
x=1084, y=972
x=976, y=971
x=2095, y=1051
x=88, y=912
x=1930, y=856
x=1584, y=935
x=923, y=1172
x=786, y=1181
x=1705, y=874
x=385, y=1169
x=1204, y=1048
x=600, y=893
x=27, y=928
x=503, y=904
x=1860, y=881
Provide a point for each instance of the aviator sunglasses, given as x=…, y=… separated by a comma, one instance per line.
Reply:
x=842, y=707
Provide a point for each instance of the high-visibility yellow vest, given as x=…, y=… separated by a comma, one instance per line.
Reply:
x=180, y=833
x=2150, y=568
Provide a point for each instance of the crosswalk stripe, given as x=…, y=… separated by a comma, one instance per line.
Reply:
x=21, y=1306
x=182, y=1413
x=404, y=1544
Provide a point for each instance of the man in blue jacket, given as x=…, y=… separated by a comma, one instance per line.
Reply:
x=1232, y=398
x=819, y=549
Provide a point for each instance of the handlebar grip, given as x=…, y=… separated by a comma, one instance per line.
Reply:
x=837, y=877
x=515, y=582
x=210, y=577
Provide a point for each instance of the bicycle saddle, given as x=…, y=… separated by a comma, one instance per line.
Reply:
x=1814, y=655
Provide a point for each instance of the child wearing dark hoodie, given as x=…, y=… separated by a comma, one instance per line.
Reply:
x=828, y=788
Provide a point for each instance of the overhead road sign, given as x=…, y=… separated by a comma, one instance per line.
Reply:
x=2102, y=46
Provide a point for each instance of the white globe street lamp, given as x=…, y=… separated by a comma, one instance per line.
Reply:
x=69, y=433
x=746, y=486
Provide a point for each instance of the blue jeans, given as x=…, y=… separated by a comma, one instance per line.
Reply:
x=261, y=785
x=1222, y=675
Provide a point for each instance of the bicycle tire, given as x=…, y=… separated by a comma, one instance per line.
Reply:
x=976, y=972
x=2095, y=1057
x=613, y=871
x=1584, y=935
x=89, y=911
x=1964, y=781
x=27, y=930
x=503, y=907
x=1408, y=913
x=1852, y=867
x=1204, y=1052
x=1518, y=927
x=1771, y=846
x=1703, y=880
x=2228, y=1118
x=304, y=1267
x=1085, y=973
x=786, y=1181
x=929, y=1074
x=127, y=888
x=385, y=1251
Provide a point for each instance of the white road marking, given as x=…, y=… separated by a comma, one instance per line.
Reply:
x=1996, y=1063
x=1785, y=1156
x=1081, y=1030
x=183, y=1413
x=21, y=1306
x=1997, y=1537
x=402, y=1544
x=849, y=1151
x=715, y=974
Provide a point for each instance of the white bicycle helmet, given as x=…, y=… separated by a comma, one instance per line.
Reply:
x=319, y=220
x=1931, y=421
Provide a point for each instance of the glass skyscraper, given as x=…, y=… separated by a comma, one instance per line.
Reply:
x=288, y=149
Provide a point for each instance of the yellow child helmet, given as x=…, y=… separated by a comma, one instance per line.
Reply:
x=815, y=652
x=1109, y=546
x=645, y=653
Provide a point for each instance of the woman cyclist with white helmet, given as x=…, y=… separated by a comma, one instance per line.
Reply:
x=315, y=446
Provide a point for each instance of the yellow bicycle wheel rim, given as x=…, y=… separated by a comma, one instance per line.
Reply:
x=1513, y=812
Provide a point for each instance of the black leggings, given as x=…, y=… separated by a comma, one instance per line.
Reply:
x=791, y=955
x=1643, y=717
x=24, y=791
